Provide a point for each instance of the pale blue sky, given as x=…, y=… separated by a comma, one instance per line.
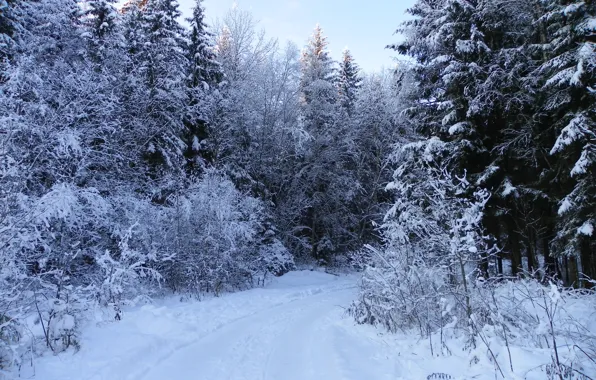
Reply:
x=365, y=27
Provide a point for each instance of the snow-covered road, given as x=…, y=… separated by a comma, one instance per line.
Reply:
x=295, y=328
x=296, y=340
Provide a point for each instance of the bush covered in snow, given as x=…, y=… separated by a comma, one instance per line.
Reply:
x=435, y=245
x=218, y=244
x=436, y=276
x=83, y=249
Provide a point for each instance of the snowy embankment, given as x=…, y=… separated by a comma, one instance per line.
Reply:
x=295, y=328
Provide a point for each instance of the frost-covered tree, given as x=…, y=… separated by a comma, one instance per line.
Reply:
x=156, y=88
x=475, y=65
x=8, y=24
x=101, y=16
x=348, y=81
x=373, y=131
x=569, y=79
x=435, y=246
x=451, y=49
x=456, y=96
x=205, y=69
x=241, y=46
x=323, y=178
x=243, y=51
x=255, y=127
x=317, y=83
x=205, y=75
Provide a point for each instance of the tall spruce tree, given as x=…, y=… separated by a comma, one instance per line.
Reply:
x=156, y=87
x=373, y=132
x=317, y=84
x=8, y=24
x=205, y=75
x=326, y=175
x=569, y=80
x=475, y=64
x=101, y=16
x=204, y=67
x=348, y=82
x=516, y=167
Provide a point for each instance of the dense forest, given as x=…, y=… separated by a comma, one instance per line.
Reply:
x=140, y=154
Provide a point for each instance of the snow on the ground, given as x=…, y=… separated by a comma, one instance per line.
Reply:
x=295, y=328
x=288, y=330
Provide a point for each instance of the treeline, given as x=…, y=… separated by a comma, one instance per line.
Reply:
x=307, y=134
x=139, y=154
x=491, y=230
x=508, y=86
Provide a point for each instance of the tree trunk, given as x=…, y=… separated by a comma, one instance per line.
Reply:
x=513, y=241
x=531, y=251
x=514, y=248
x=483, y=266
x=587, y=263
x=565, y=270
x=499, y=254
x=499, y=264
x=314, y=239
x=550, y=263
x=572, y=273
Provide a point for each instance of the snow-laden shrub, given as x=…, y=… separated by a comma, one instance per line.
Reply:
x=527, y=313
x=217, y=245
x=432, y=277
x=435, y=248
x=398, y=295
x=274, y=258
x=121, y=271
x=62, y=252
x=39, y=266
x=10, y=336
x=76, y=248
x=359, y=260
x=59, y=317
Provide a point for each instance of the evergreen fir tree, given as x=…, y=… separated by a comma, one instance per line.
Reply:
x=374, y=131
x=327, y=170
x=102, y=17
x=318, y=76
x=157, y=86
x=569, y=78
x=205, y=69
x=7, y=31
x=473, y=74
x=205, y=75
x=348, y=82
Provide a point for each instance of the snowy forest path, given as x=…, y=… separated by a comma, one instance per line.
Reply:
x=295, y=340
x=276, y=343
x=295, y=328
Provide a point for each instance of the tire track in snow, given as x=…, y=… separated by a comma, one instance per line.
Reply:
x=302, y=297
x=303, y=352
